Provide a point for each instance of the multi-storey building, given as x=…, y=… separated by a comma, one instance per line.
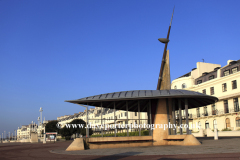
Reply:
x=25, y=131
x=221, y=82
x=108, y=121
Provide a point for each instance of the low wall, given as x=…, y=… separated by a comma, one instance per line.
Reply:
x=210, y=133
x=119, y=142
x=199, y=134
x=24, y=140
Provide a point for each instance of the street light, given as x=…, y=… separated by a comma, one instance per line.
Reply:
x=44, y=139
x=40, y=115
x=38, y=121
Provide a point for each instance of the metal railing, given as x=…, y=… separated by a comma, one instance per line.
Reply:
x=215, y=112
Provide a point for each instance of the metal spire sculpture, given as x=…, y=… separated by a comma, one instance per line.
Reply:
x=164, y=74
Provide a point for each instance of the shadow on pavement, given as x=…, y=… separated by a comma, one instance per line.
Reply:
x=118, y=156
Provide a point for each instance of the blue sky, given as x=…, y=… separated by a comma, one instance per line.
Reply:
x=51, y=51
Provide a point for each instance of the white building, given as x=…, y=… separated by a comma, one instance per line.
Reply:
x=221, y=82
x=94, y=117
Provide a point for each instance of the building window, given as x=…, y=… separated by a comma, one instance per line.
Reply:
x=206, y=124
x=226, y=73
x=204, y=91
x=198, y=112
x=228, y=123
x=205, y=111
x=175, y=87
x=226, y=106
x=199, y=125
x=199, y=81
x=125, y=114
x=214, y=123
x=236, y=105
x=237, y=121
x=234, y=70
x=213, y=109
x=184, y=85
x=212, y=90
x=224, y=87
x=211, y=77
x=135, y=113
x=234, y=84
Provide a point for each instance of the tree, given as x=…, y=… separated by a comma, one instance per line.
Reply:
x=79, y=128
x=52, y=126
x=65, y=132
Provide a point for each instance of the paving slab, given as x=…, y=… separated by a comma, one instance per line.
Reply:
x=208, y=146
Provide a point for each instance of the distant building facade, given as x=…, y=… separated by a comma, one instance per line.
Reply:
x=94, y=117
x=25, y=131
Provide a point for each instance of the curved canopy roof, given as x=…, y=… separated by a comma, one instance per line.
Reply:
x=195, y=99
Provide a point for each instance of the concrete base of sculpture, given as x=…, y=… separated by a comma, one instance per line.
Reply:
x=77, y=144
x=119, y=142
x=190, y=140
x=134, y=141
x=159, y=133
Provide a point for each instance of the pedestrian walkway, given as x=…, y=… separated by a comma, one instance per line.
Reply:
x=209, y=146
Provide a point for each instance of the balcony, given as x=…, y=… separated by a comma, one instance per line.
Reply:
x=226, y=110
x=214, y=112
x=184, y=116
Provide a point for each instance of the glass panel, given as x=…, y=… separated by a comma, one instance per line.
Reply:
x=200, y=81
x=234, y=70
x=234, y=84
x=205, y=111
x=226, y=73
x=226, y=106
x=213, y=110
x=236, y=105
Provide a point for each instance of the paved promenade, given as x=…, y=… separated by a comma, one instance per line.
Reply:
x=222, y=149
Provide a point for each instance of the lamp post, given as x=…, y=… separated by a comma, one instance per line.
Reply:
x=38, y=125
x=9, y=136
x=15, y=136
x=44, y=139
x=38, y=121
x=40, y=115
x=4, y=134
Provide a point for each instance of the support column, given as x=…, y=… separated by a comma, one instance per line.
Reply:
x=180, y=115
x=186, y=112
x=150, y=117
x=87, y=122
x=101, y=120
x=161, y=119
x=127, y=117
x=139, y=118
x=114, y=120
x=168, y=117
x=174, y=116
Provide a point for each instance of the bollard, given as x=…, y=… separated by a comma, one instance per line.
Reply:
x=215, y=134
